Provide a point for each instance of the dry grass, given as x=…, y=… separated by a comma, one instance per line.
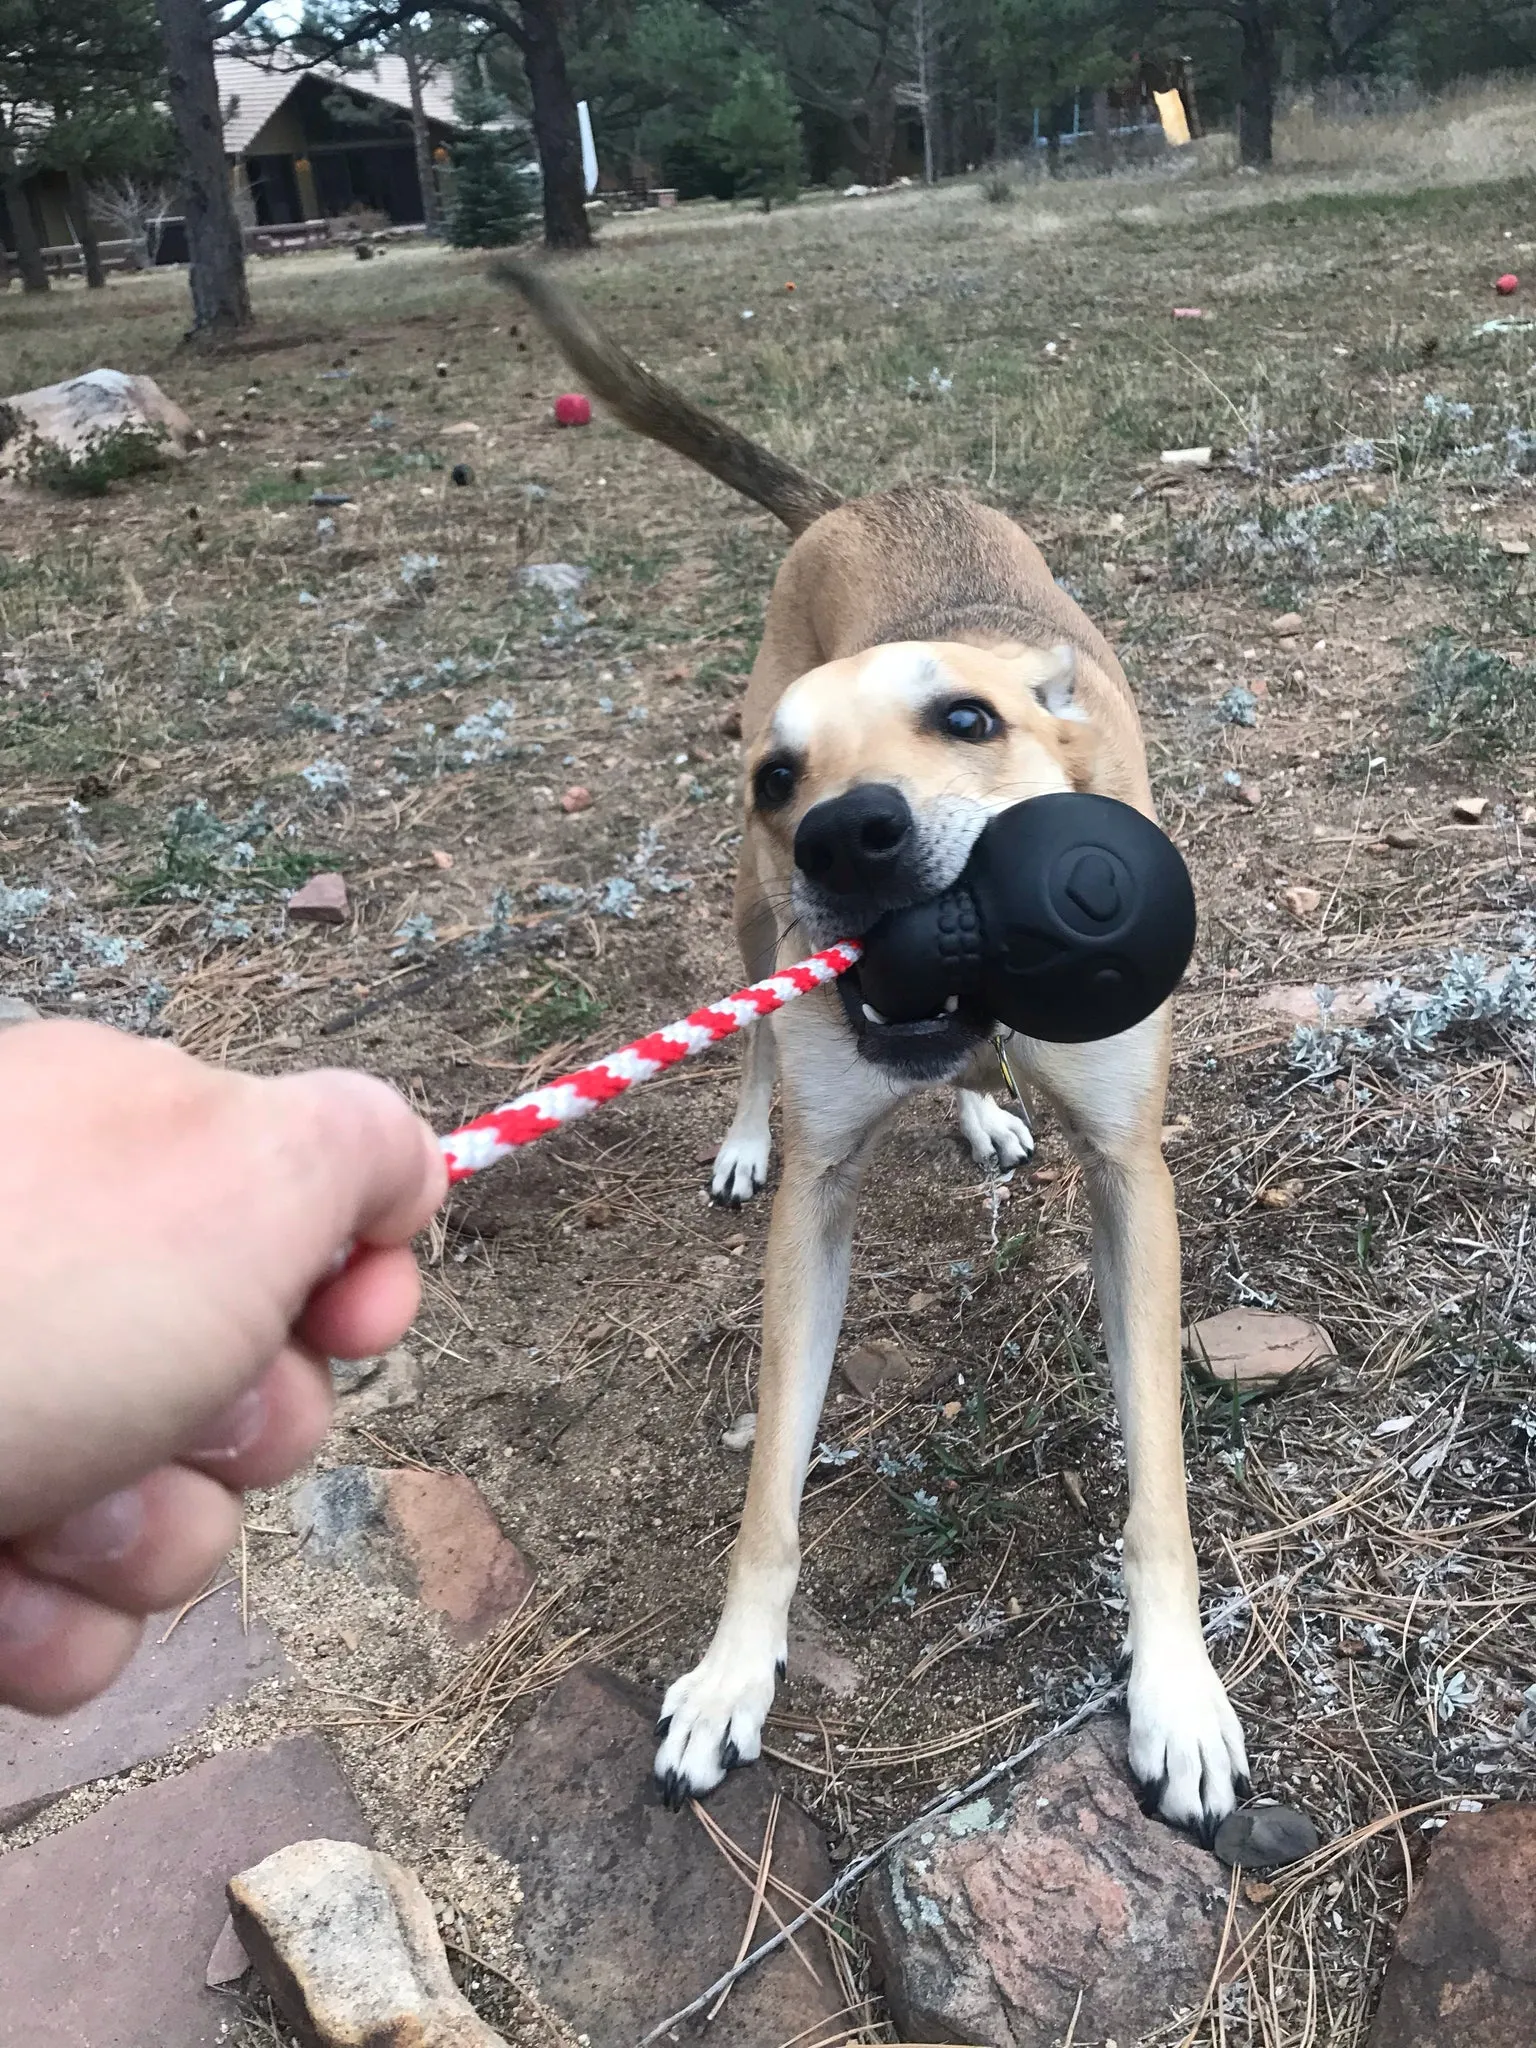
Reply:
x=591, y=1325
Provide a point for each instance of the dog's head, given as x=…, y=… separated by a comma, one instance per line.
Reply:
x=872, y=781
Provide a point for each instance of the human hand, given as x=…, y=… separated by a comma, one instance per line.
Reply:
x=181, y=1250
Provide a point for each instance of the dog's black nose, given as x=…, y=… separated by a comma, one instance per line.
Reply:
x=853, y=845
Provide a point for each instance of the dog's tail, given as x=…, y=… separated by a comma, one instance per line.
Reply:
x=650, y=407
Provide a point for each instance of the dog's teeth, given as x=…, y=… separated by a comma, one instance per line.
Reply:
x=951, y=1004
x=874, y=1015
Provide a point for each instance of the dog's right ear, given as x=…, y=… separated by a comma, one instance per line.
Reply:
x=1054, y=681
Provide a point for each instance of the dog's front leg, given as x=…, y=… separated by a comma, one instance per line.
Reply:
x=1186, y=1747
x=712, y=1718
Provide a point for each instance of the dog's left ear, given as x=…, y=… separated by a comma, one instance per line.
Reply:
x=1055, y=682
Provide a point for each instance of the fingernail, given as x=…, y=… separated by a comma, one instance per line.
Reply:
x=30, y=1611
x=231, y=1434
x=97, y=1535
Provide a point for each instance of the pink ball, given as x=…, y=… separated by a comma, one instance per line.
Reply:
x=1507, y=285
x=572, y=410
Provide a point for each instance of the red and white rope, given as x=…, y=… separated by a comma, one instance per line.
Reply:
x=500, y=1131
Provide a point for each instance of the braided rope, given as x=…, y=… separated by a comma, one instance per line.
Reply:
x=488, y=1138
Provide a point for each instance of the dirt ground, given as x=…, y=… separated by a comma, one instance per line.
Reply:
x=210, y=687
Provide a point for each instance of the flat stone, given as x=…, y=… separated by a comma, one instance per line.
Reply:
x=630, y=1911
x=109, y=1926
x=1288, y=625
x=1352, y=1003
x=166, y=1693
x=14, y=1011
x=1251, y=1347
x=1463, y=1973
x=1301, y=901
x=1469, y=810
x=346, y=1942
x=322, y=900
x=987, y=1927
x=428, y=1533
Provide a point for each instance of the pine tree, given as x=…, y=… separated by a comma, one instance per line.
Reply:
x=757, y=131
x=490, y=205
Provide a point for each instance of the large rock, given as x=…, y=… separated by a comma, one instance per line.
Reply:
x=345, y=1941
x=429, y=1533
x=106, y=1929
x=167, y=1692
x=70, y=418
x=986, y=1927
x=1463, y=1973
x=630, y=1911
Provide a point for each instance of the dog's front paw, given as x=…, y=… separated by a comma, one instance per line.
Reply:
x=712, y=1718
x=999, y=1139
x=1186, y=1749
x=741, y=1168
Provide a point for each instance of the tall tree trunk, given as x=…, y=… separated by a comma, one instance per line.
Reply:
x=556, y=129
x=421, y=136
x=1102, y=142
x=85, y=229
x=1191, y=99
x=925, y=88
x=221, y=300
x=29, y=250
x=1256, y=95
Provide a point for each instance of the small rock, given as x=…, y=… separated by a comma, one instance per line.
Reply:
x=1528, y=817
x=1253, y=1348
x=875, y=1368
x=919, y=1302
x=460, y=427
x=461, y=473
x=1353, y=1003
x=629, y=1910
x=375, y=1386
x=1519, y=549
x=428, y=1533
x=1265, y=1837
x=730, y=723
x=1186, y=458
x=329, y=498
x=1280, y=1194
x=814, y=1655
x=990, y=1926
x=229, y=1961
x=1301, y=901
x=1462, y=1972
x=1469, y=810
x=742, y=1434
x=1288, y=625
x=14, y=1011
x=1402, y=837
x=1248, y=795
x=322, y=900
x=557, y=579
x=576, y=799
x=346, y=1942
x=110, y=1924
x=441, y=859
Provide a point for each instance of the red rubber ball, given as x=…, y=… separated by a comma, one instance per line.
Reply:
x=572, y=410
x=1506, y=285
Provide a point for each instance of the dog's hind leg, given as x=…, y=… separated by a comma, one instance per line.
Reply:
x=1186, y=1747
x=741, y=1164
x=999, y=1139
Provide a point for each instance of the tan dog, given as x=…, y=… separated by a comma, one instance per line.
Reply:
x=919, y=671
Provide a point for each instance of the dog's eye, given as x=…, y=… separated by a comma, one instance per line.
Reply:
x=969, y=719
x=774, y=785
